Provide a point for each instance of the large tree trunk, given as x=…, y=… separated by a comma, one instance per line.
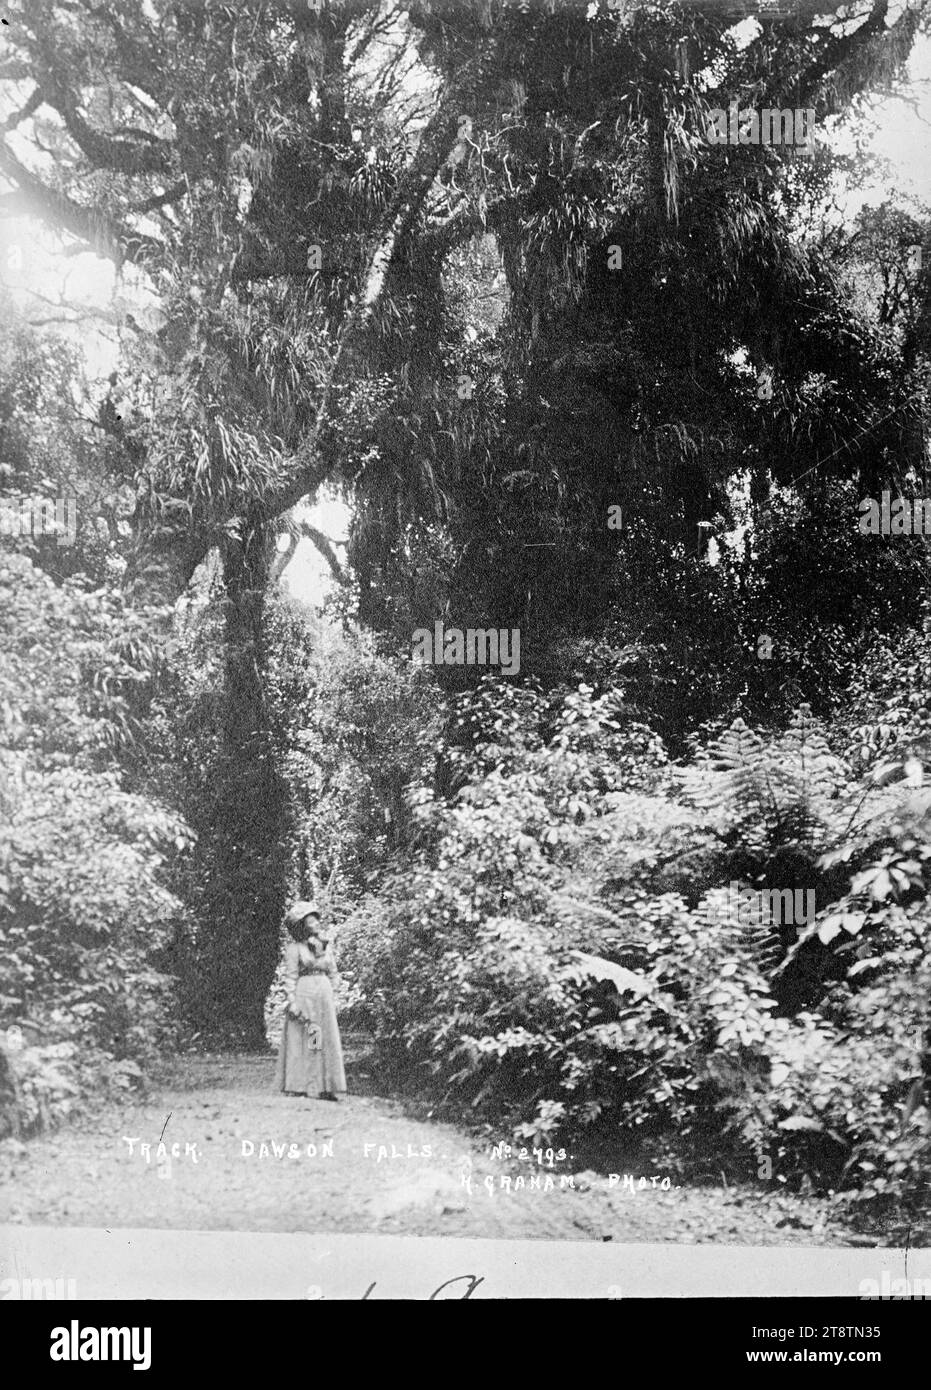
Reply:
x=245, y=819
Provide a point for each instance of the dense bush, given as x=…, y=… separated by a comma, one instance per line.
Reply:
x=353, y=729
x=560, y=955
x=84, y=907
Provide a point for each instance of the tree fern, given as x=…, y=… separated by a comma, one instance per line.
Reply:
x=768, y=794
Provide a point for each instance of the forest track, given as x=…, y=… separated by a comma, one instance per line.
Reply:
x=388, y=1173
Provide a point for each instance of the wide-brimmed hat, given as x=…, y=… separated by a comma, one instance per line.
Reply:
x=299, y=910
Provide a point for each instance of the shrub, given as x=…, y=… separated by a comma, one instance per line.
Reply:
x=560, y=956
x=84, y=910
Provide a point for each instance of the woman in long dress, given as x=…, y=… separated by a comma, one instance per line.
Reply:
x=310, y=1057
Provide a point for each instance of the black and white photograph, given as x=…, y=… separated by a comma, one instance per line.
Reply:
x=465, y=658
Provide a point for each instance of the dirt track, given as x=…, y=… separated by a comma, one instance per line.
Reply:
x=379, y=1177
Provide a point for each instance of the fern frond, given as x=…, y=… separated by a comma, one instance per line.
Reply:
x=768, y=793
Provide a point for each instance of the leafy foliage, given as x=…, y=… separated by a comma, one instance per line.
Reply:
x=85, y=910
x=560, y=954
